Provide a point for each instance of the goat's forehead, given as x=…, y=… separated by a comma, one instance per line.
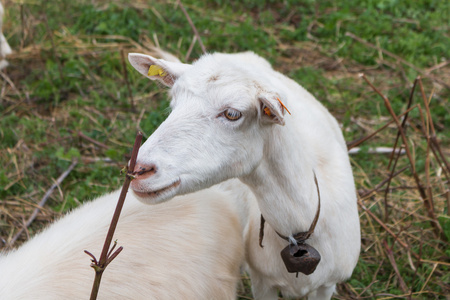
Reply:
x=215, y=95
x=226, y=69
x=218, y=87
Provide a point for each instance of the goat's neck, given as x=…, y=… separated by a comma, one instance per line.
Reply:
x=284, y=184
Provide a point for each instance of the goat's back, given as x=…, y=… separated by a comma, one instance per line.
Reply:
x=187, y=248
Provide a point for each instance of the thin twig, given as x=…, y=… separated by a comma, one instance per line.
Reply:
x=434, y=223
x=429, y=277
x=380, y=185
x=107, y=255
x=55, y=57
x=82, y=135
x=387, y=103
x=359, y=141
x=125, y=75
x=397, y=157
x=374, y=278
x=382, y=224
x=433, y=138
x=427, y=174
x=391, y=258
x=427, y=107
x=191, y=47
x=435, y=147
x=419, y=259
x=403, y=123
x=22, y=19
x=438, y=66
x=192, y=26
x=43, y=200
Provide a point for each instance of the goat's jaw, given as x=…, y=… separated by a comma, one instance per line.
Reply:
x=157, y=195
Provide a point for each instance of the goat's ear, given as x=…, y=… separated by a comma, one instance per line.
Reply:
x=157, y=69
x=272, y=110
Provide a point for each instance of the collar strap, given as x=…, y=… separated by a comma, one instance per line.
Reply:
x=300, y=237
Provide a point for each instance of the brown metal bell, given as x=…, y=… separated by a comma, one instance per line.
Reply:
x=301, y=258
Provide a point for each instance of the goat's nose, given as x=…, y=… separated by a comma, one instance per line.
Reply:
x=142, y=171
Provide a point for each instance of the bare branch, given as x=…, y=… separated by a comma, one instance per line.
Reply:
x=106, y=257
x=426, y=200
x=125, y=76
x=192, y=26
x=359, y=141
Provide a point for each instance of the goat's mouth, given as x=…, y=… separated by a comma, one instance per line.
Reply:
x=163, y=193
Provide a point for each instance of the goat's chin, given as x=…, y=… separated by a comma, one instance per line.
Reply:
x=158, y=196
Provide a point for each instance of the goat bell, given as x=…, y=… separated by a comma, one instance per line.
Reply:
x=301, y=258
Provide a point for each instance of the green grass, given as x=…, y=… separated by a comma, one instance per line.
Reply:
x=78, y=85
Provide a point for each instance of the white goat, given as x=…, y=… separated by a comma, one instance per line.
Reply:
x=225, y=118
x=5, y=49
x=188, y=248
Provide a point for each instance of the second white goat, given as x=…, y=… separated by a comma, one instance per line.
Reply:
x=5, y=49
x=188, y=248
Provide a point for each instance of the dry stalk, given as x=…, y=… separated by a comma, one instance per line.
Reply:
x=52, y=40
x=419, y=259
x=391, y=258
x=125, y=76
x=82, y=135
x=22, y=20
x=437, y=155
x=434, y=142
x=374, y=278
x=192, y=26
x=403, y=126
x=382, y=224
x=427, y=202
x=107, y=255
x=191, y=47
x=380, y=185
x=357, y=142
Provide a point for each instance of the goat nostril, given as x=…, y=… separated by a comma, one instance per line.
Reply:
x=147, y=171
x=142, y=171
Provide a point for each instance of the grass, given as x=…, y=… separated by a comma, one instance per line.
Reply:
x=66, y=83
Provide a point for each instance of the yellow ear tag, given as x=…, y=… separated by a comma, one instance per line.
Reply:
x=267, y=111
x=155, y=70
x=283, y=106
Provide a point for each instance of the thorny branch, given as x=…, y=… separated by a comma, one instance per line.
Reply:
x=107, y=254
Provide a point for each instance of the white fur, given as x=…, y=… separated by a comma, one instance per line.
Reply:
x=196, y=147
x=5, y=49
x=188, y=248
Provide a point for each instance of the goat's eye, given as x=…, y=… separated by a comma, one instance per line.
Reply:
x=232, y=114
